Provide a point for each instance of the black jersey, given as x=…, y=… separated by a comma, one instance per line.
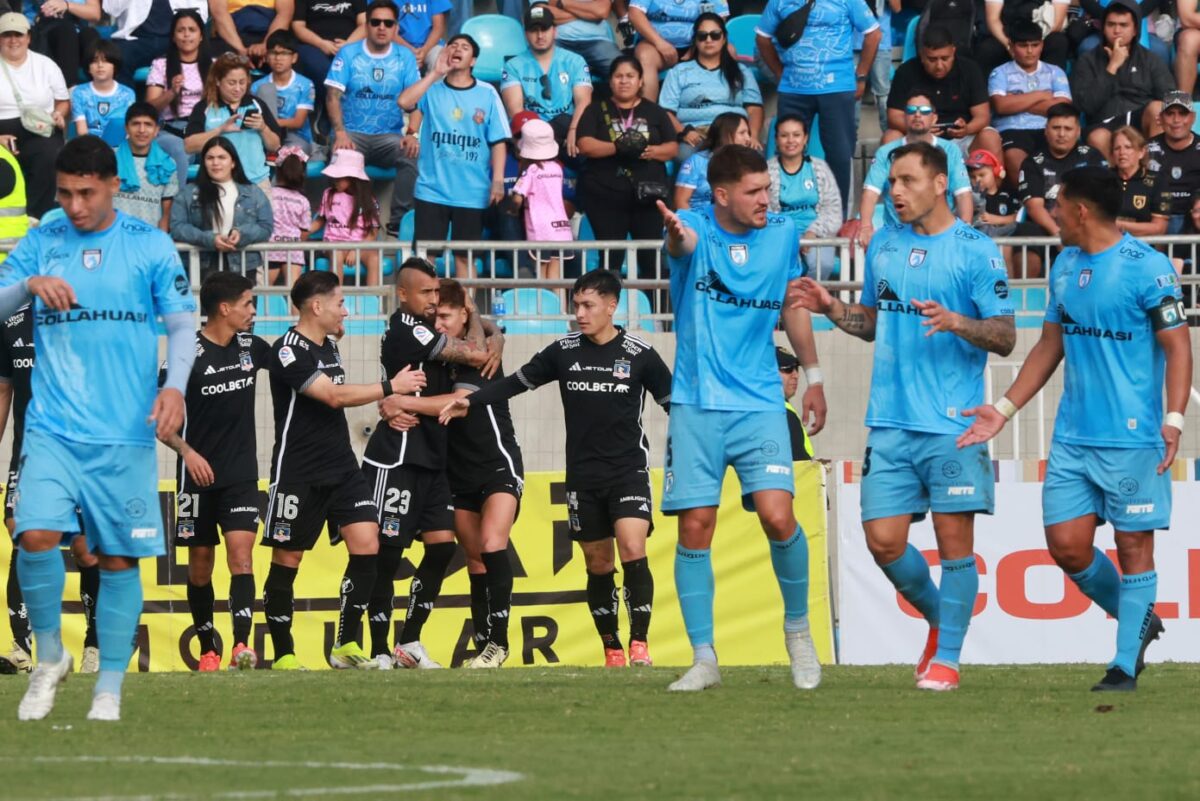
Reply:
x=1142, y=196
x=483, y=443
x=220, y=408
x=312, y=440
x=603, y=388
x=1042, y=173
x=16, y=368
x=1180, y=171
x=412, y=341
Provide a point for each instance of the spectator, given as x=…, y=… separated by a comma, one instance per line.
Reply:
x=62, y=30
x=879, y=79
x=713, y=83
x=583, y=29
x=143, y=29
x=243, y=26
x=627, y=141
x=692, y=190
x=995, y=209
x=539, y=192
x=292, y=212
x=554, y=83
x=1120, y=83
x=1095, y=11
x=422, y=27
x=461, y=171
x=222, y=213
x=1005, y=16
x=228, y=110
x=350, y=213
x=1021, y=91
x=802, y=187
x=664, y=30
x=1175, y=156
x=290, y=95
x=919, y=115
x=1145, y=210
x=102, y=100
x=176, y=83
x=149, y=182
x=363, y=84
x=1187, y=46
x=324, y=27
x=820, y=78
x=34, y=105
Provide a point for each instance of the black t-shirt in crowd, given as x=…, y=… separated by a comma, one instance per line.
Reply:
x=1001, y=204
x=412, y=341
x=603, y=388
x=1180, y=171
x=1041, y=173
x=964, y=86
x=330, y=19
x=482, y=444
x=618, y=174
x=17, y=358
x=312, y=440
x=1142, y=196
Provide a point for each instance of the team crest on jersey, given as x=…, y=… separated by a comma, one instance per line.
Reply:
x=479, y=116
x=1176, y=173
x=377, y=74
x=103, y=107
x=185, y=530
x=1139, y=201
x=916, y=257
x=391, y=527
x=738, y=254
x=621, y=368
x=91, y=260
x=1085, y=278
x=245, y=361
x=456, y=114
x=282, y=532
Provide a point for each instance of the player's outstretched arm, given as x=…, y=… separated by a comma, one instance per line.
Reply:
x=1177, y=346
x=797, y=323
x=428, y=405
x=853, y=318
x=994, y=334
x=681, y=240
x=345, y=396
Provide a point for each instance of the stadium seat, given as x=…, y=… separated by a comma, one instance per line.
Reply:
x=526, y=301
x=273, y=306
x=742, y=36
x=366, y=317
x=313, y=168
x=381, y=173
x=140, y=75
x=193, y=171
x=499, y=38
x=644, y=308
x=910, y=39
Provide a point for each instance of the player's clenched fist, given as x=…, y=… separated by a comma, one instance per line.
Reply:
x=408, y=381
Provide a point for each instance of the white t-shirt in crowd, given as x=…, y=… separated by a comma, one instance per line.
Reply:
x=40, y=82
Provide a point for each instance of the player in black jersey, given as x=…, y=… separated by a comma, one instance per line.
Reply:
x=603, y=374
x=315, y=477
x=408, y=469
x=218, y=463
x=17, y=358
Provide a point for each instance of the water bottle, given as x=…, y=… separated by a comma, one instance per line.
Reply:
x=498, y=305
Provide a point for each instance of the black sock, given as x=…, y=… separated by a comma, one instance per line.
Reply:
x=357, y=584
x=200, y=601
x=499, y=591
x=18, y=615
x=278, y=602
x=241, y=606
x=379, y=610
x=602, y=601
x=425, y=588
x=89, y=591
x=639, y=597
x=479, y=607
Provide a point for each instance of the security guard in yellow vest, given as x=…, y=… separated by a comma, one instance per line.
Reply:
x=13, y=221
x=789, y=371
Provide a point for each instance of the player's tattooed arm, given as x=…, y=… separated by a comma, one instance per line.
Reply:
x=853, y=318
x=994, y=334
x=197, y=466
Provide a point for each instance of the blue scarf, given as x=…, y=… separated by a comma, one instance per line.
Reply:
x=159, y=167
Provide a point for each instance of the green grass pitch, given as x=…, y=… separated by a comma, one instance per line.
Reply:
x=565, y=733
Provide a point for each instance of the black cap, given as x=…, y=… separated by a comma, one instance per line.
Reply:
x=538, y=17
x=784, y=358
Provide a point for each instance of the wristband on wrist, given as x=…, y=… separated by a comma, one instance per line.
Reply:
x=813, y=375
x=387, y=388
x=1006, y=407
x=1174, y=419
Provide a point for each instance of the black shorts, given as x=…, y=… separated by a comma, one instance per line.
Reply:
x=1133, y=118
x=593, y=513
x=10, y=495
x=472, y=499
x=411, y=500
x=434, y=222
x=1030, y=140
x=296, y=513
x=198, y=514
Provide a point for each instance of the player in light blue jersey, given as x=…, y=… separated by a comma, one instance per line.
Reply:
x=731, y=265
x=935, y=303
x=1115, y=314
x=98, y=281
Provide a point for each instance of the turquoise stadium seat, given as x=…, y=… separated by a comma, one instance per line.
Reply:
x=526, y=301
x=499, y=38
x=381, y=173
x=742, y=36
x=815, y=148
x=910, y=38
x=641, y=302
x=313, y=168
x=273, y=306
x=365, y=315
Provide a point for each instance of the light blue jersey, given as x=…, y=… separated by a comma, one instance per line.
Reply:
x=457, y=133
x=551, y=93
x=919, y=382
x=694, y=175
x=883, y=13
x=370, y=84
x=799, y=196
x=1010, y=79
x=822, y=62
x=416, y=19
x=1110, y=305
x=297, y=94
x=727, y=296
x=958, y=180
x=97, y=368
x=98, y=110
x=697, y=95
x=673, y=19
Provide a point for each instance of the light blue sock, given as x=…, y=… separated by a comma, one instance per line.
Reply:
x=117, y=613
x=42, y=577
x=960, y=585
x=694, y=585
x=790, y=560
x=1138, y=593
x=1100, y=582
x=910, y=575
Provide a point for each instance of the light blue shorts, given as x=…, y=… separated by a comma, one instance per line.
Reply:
x=114, y=487
x=702, y=444
x=1120, y=485
x=911, y=472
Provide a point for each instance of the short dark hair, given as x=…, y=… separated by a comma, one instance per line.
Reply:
x=451, y=293
x=87, y=155
x=925, y=95
x=602, y=282
x=107, y=48
x=284, y=39
x=376, y=5
x=796, y=118
x=1024, y=30
x=730, y=163
x=140, y=109
x=1121, y=7
x=626, y=58
x=311, y=284
x=222, y=287
x=1062, y=110
x=469, y=40
x=420, y=264
x=1098, y=187
x=932, y=157
x=936, y=37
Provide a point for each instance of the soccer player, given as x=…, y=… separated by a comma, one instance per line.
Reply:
x=408, y=468
x=1115, y=314
x=935, y=302
x=218, y=463
x=315, y=478
x=99, y=279
x=731, y=265
x=604, y=374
